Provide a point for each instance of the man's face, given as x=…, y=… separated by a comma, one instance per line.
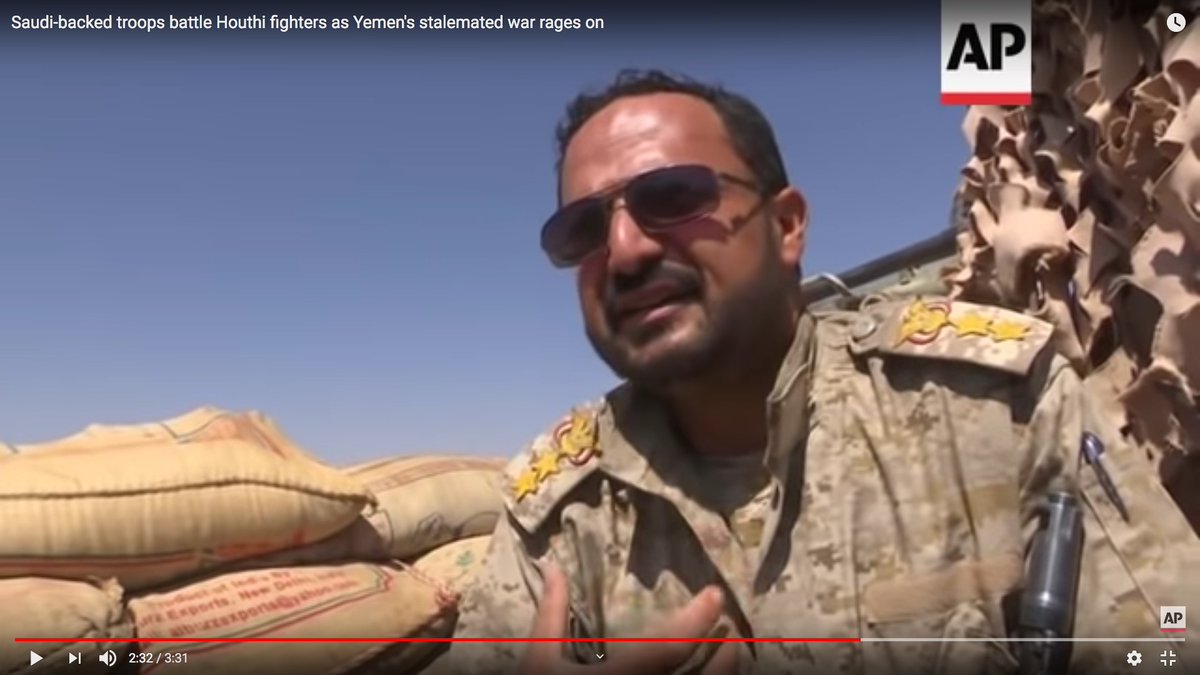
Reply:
x=669, y=305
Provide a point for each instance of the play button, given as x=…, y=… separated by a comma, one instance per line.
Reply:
x=34, y=657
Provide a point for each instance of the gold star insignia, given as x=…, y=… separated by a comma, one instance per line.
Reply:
x=971, y=324
x=1008, y=330
x=545, y=466
x=578, y=436
x=922, y=323
x=526, y=484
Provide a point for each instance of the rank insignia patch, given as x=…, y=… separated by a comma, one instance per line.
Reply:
x=924, y=322
x=575, y=440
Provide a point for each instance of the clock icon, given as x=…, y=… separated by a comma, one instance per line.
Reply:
x=1176, y=22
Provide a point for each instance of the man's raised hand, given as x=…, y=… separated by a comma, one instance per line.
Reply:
x=694, y=620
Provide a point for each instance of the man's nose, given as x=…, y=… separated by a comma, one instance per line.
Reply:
x=629, y=247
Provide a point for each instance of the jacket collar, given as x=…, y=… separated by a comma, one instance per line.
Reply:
x=642, y=448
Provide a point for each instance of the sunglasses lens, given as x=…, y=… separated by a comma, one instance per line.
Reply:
x=656, y=200
x=672, y=196
x=575, y=231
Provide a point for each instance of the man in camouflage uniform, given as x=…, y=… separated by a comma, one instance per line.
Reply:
x=871, y=474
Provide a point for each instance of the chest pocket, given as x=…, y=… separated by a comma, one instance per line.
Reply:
x=928, y=488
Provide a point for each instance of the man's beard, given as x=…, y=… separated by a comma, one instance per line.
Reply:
x=736, y=330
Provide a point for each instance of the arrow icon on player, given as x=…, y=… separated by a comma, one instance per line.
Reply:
x=34, y=657
x=600, y=655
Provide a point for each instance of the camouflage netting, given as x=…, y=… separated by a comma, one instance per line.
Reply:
x=1084, y=209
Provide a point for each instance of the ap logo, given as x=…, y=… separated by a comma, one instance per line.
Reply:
x=1172, y=619
x=987, y=52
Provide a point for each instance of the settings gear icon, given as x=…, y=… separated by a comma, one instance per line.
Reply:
x=1133, y=658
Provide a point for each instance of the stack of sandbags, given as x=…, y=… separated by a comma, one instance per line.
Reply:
x=149, y=504
x=1084, y=209
x=216, y=525
x=418, y=545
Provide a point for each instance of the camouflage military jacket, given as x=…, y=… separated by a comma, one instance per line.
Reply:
x=908, y=447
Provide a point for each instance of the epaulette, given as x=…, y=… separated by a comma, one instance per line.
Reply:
x=550, y=467
x=941, y=328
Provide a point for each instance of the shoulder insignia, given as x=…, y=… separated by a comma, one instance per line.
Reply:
x=941, y=328
x=552, y=465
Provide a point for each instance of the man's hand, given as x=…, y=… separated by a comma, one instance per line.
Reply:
x=695, y=620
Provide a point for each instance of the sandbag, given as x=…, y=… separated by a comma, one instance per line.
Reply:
x=450, y=569
x=34, y=607
x=425, y=502
x=355, y=600
x=150, y=504
x=454, y=565
x=422, y=503
x=206, y=422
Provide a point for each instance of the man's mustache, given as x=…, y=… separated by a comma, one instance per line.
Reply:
x=680, y=277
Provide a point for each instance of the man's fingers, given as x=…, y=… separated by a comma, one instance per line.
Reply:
x=549, y=624
x=551, y=621
x=694, y=620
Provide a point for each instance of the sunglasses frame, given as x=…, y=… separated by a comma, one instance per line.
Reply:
x=606, y=198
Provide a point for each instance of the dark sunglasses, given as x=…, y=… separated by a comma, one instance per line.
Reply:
x=656, y=200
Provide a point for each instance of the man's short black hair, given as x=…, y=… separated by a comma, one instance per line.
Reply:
x=748, y=128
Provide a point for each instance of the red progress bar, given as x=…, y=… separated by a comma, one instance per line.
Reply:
x=986, y=99
x=313, y=640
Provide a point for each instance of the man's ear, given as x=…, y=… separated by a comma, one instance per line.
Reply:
x=790, y=220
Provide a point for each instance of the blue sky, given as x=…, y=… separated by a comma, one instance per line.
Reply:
x=342, y=233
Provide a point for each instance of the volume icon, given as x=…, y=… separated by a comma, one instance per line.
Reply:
x=109, y=658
